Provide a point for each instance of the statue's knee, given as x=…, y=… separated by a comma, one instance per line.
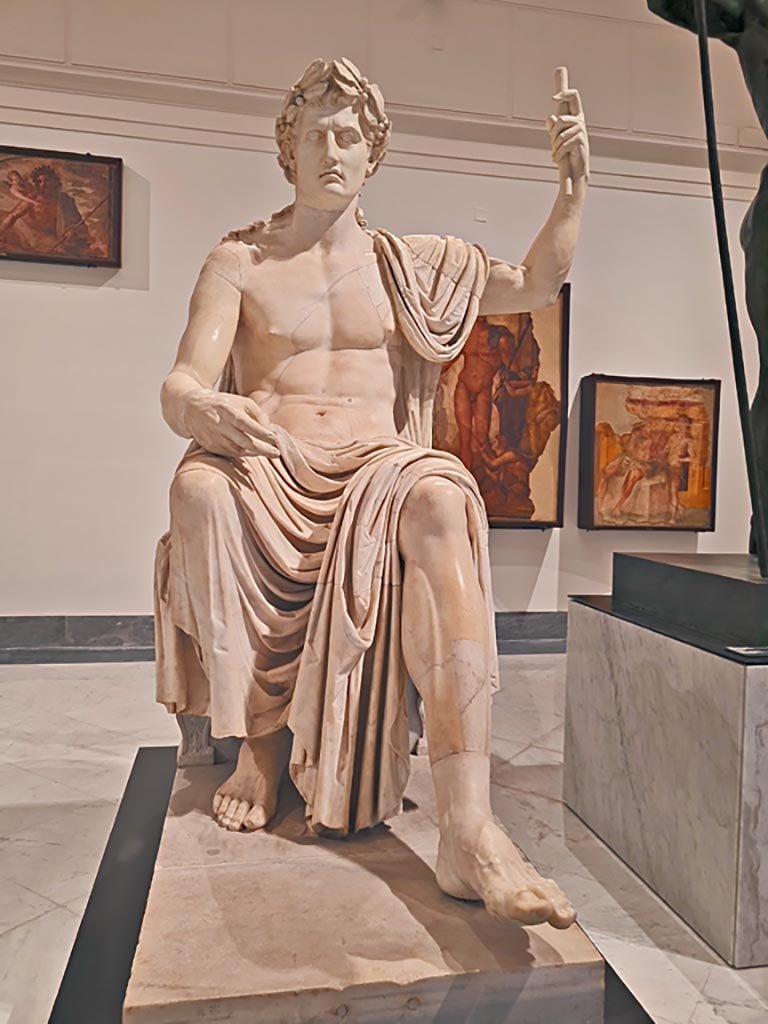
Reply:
x=435, y=507
x=197, y=492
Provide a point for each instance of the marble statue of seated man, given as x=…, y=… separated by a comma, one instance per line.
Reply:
x=320, y=553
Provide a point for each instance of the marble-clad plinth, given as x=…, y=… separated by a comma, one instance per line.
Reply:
x=666, y=759
x=287, y=928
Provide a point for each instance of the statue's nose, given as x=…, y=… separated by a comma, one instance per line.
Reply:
x=331, y=156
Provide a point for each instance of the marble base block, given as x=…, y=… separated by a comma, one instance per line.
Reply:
x=666, y=759
x=281, y=926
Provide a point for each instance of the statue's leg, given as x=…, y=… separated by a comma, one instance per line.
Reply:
x=447, y=653
x=207, y=544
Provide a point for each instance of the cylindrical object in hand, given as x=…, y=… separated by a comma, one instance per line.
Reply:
x=566, y=174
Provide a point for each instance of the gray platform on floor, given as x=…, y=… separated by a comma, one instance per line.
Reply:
x=666, y=760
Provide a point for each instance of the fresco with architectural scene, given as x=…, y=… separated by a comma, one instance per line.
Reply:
x=648, y=453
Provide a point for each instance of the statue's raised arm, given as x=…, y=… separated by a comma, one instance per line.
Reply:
x=538, y=280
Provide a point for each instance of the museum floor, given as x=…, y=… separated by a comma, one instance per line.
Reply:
x=71, y=735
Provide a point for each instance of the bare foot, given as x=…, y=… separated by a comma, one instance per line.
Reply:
x=248, y=799
x=478, y=861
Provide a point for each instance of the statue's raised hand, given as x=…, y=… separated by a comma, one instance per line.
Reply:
x=229, y=424
x=568, y=135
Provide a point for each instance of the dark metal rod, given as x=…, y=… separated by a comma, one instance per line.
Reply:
x=737, y=354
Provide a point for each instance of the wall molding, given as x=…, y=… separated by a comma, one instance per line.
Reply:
x=425, y=139
x=46, y=639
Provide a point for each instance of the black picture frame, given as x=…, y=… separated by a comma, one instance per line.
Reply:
x=587, y=450
x=105, y=250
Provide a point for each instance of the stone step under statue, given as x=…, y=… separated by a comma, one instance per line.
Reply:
x=289, y=927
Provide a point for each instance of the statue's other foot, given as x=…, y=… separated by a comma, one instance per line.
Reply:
x=478, y=861
x=248, y=799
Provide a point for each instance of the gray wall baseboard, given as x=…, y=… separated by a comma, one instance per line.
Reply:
x=531, y=632
x=57, y=639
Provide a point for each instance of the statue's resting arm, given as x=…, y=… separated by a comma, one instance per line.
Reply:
x=214, y=311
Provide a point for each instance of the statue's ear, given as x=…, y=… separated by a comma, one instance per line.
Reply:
x=373, y=166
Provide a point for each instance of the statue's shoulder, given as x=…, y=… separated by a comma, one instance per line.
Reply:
x=224, y=261
x=251, y=234
x=260, y=234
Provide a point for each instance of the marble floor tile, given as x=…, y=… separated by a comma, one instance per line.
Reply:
x=534, y=755
x=18, y=905
x=32, y=961
x=724, y=993
x=25, y=796
x=507, y=750
x=61, y=818
x=57, y=858
x=553, y=740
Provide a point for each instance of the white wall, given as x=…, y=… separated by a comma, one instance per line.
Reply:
x=83, y=352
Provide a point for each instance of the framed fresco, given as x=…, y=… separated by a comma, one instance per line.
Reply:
x=648, y=453
x=501, y=407
x=60, y=207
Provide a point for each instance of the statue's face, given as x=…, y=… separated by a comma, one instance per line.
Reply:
x=332, y=157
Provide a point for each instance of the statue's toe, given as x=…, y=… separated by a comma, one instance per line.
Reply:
x=222, y=810
x=237, y=812
x=526, y=906
x=256, y=818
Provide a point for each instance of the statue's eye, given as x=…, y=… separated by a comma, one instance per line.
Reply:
x=348, y=137
x=314, y=135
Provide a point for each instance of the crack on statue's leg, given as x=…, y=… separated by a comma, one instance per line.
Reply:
x=248, y=798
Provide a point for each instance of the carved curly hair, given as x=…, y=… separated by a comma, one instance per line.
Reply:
x=325, y=83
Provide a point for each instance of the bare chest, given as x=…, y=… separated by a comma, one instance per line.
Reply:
x=302, y=304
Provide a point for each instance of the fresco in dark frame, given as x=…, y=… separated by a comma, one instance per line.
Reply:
x=648, y=453
x=58, y=207
x=501, y=407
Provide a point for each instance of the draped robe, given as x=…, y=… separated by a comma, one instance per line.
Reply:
x=286, y=609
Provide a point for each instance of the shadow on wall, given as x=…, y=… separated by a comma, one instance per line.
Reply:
x=517, y=561
x=587, y=555
x=134, y=273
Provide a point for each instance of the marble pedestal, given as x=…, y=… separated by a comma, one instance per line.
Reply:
x=666, y=759
x=283, y=927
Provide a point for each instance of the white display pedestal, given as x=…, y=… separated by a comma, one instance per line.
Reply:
x=666, y=759
x=280, y=926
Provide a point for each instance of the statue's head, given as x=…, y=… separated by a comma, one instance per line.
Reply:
x=332, y=133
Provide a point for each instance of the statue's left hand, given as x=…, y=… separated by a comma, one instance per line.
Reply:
x=568, y=134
